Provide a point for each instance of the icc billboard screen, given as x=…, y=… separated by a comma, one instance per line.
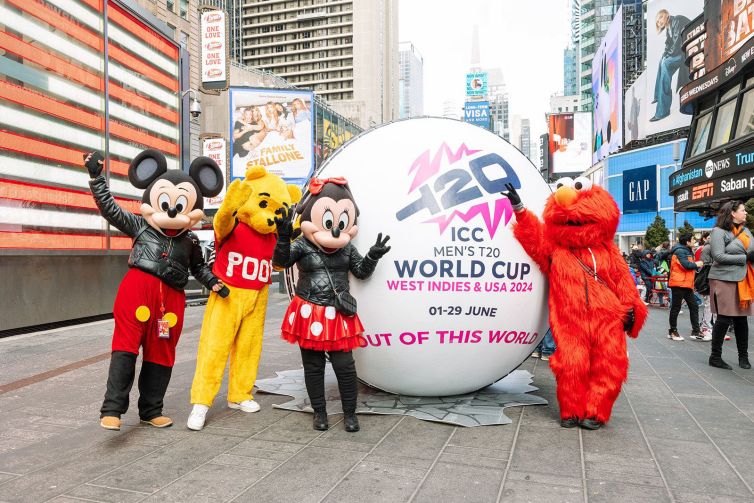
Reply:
x=477, y=113
x=607, y=91
x=569, y=142
x=274, y=128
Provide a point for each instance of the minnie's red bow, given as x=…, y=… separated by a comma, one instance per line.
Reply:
x=316, y=184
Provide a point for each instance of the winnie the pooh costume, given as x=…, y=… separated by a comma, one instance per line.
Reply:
x=245, y=238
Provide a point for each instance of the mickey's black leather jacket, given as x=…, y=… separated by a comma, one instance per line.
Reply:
x=313, y=284
x=170, y=259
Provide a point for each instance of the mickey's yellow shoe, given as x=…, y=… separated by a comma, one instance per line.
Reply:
x=159, y=422
x=110, y=423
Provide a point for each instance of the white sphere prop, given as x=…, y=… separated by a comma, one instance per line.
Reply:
x=456, y=304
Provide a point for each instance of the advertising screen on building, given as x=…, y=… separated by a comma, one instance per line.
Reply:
x=52, y=113
x=666, y=72
x=476, y=84
x=607, y=91
x=718, y=47
x=477, y=113
x=216, y=148
x=636, y=104
x=569, y=142
x=335, y=135
x=273, y=128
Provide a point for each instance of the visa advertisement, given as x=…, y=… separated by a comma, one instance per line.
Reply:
x=477, y=113
x=456, y=304
x=272, y=128
x=476, y=84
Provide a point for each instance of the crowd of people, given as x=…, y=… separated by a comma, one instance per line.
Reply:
x=712, y=274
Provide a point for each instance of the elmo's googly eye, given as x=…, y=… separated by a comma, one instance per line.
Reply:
x=327, y=220
x=564, y=182
x=582, y=184
x=164, y=201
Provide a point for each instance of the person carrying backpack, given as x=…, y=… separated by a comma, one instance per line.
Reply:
x=681, y=282
x=701, y=285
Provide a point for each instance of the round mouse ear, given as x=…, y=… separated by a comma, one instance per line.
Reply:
x=207, y=175
x=146, y=167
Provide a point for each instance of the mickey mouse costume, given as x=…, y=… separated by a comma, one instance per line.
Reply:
x=149, y=306
x=315, y=319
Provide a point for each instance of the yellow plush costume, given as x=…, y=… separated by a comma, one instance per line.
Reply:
x=234, y=326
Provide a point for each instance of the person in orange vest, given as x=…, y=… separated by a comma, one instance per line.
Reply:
x=681, y=282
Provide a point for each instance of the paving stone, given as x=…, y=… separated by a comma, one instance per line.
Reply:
x=257, y=464
x=472, y=460
x=312, y=482
x=547, y=450
x=364, y=487
x=614, y=492
x=690, y=466
x=480, y=484
x=263, y=449
x=105, y=494
x=707, y=498
x=293, y=428
x=167, y=464
x=669, y=424
x=413, y=438
x=518, y=491
x=209, y=483
x=544, y=478
x=69, y=472
x=388, y=471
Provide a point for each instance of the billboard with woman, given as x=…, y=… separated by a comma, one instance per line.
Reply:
x=274, y=128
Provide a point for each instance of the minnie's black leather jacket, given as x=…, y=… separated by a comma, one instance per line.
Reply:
x=170, y=259
x=313, y=284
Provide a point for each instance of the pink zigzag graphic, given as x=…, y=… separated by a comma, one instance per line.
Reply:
x=502, y=206
x=425, y=168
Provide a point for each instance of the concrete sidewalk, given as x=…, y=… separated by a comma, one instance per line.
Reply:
x=681, y=431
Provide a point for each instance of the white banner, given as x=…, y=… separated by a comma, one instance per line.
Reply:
x=214, y=46
x=217, y=150
x=456, y=304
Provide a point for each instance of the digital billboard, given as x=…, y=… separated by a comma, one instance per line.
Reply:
x=63, y=87
x=607, y=91
x=476, y=84
x=569, y=136
x=717, y=47
x=666, y=72
x=214, y=48
x=636, y=104
x=273, y=128
x=477, y=113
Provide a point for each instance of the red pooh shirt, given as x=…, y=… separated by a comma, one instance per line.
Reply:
x=244, y=259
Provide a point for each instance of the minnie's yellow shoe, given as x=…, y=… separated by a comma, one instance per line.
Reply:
x=159, y=422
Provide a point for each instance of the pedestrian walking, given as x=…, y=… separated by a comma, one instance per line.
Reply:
x=546, y=347
x=704, y=255
x=681, y=282
x=731, y=281
x=647, y=269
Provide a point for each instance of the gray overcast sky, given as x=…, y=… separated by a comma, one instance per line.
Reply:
x=524, y=38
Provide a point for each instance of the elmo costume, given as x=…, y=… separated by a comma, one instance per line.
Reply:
x=593, y=300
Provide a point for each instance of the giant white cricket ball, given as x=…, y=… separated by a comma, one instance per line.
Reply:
x=456, y=304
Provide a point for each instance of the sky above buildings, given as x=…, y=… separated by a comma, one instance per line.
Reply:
x=524, y=38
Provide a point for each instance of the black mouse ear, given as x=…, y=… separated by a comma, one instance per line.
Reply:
x=207, y=175
x=146, y=168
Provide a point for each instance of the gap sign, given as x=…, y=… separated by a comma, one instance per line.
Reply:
x=477, y=113
x=640, y=190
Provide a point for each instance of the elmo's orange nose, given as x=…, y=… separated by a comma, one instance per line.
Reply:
x=565, y=196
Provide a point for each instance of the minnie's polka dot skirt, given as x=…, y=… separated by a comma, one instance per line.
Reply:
x=321, y=328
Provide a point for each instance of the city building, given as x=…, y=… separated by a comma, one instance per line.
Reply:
x=594, y=19
x=410, y=81
x=346, y=51
x=562, y=104
x=638, y=181
x=451, y=109
x=718, y=163
x=524, y=144
x=570, y=72
x=497, y=95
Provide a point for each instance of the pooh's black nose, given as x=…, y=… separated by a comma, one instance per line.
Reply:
x=335, y=231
